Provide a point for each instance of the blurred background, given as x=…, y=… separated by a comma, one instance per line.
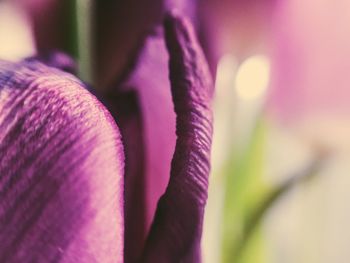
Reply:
x=281, y=154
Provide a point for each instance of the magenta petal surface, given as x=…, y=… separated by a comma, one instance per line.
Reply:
x=61, y=170
x=143, y=108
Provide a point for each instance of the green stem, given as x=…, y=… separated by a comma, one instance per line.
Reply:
x=80, y=36
x=254, y=220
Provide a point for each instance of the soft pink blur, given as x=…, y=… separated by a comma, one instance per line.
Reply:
x=311, y=59
x=308, y=45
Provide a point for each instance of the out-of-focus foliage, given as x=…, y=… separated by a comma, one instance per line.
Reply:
x=244, y=189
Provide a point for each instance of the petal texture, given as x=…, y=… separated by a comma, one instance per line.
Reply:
x=61, y=170
x=177, y=227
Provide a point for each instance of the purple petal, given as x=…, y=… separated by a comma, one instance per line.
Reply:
x=143, y=109
x=125, y=106
x=176, y=231
x=61, y=170
x=121, y=26
x=56, y=59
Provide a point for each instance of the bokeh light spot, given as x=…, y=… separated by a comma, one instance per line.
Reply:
x=253, y=77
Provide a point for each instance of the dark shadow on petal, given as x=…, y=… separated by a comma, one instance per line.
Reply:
x=125, y=106
x=147, y=80
x=56, y=59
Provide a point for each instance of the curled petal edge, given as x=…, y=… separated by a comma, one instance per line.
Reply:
x=176, y=231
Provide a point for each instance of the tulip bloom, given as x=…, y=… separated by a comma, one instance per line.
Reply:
x=62, y=169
